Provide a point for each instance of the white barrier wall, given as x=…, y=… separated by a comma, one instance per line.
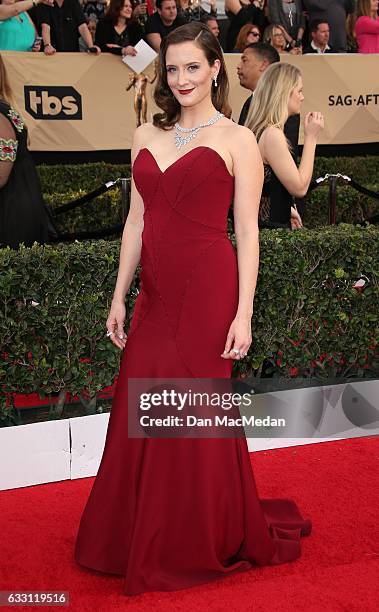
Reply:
x=72, y=448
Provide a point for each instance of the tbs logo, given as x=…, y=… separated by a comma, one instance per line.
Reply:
x=53, y=102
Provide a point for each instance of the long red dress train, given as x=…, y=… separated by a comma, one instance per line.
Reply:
x=172, y=513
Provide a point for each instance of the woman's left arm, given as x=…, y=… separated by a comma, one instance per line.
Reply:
x=248, y=172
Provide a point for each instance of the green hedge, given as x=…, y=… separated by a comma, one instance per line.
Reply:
x=103, y=211
x=352, y=206
x=66, y=178
x=64, y=183
x=308, y=320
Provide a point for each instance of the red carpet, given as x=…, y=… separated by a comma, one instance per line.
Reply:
x=335, y=484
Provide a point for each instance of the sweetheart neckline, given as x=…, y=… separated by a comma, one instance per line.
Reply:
x=182, y=156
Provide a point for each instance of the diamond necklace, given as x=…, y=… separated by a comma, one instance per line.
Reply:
x=180, y=140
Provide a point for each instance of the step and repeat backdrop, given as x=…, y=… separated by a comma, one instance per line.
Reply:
x=81, y=102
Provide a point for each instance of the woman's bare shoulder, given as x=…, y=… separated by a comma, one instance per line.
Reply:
x=240, y=139
x=272, y=135
x=144, y=133
x=238, y=135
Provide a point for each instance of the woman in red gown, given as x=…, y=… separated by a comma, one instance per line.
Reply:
x=170, y=513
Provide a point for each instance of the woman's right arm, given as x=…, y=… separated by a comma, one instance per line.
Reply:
x=275, y=151
x=12, y=10
x=130, y=254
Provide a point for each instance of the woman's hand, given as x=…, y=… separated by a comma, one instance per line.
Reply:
x=296, y=222
x=49, y=50
x=313, y=123
x=129, y=50
x=115, y=324
x=238, y=339
x=296, y=51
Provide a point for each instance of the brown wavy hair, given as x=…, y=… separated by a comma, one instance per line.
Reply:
x=114, y=9
x=197, y=32
x=363, y=8
x=241, y=41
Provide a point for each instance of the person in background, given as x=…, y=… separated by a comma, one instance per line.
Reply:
x=24, y=218
x=17, y=30
x=274, y=35
x=320, y=32
x=94, y=8
x=333, y=12
x=141, y=12
x=62, y=24
x=92, y=25
x=162, y=22
x=367, y=26
x=232, y=7
x=118, y=32
x=255, y=59
x=248, y=34
x=288, y=14
x=193, y=11
x=240, y=13
x=278, y=95
x=212, y=24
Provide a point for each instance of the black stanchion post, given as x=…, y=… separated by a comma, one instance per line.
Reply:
x=332, y=199
x=124, y=198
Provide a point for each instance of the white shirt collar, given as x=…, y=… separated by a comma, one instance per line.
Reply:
x=318, y=49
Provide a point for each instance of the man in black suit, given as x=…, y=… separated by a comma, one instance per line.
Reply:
x=254, y=61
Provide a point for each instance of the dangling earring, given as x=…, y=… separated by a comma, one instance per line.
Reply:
x=215, y=80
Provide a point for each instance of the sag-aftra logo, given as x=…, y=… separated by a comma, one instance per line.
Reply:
x=51, y=102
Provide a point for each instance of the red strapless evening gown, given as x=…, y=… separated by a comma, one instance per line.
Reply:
x=172, y=513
